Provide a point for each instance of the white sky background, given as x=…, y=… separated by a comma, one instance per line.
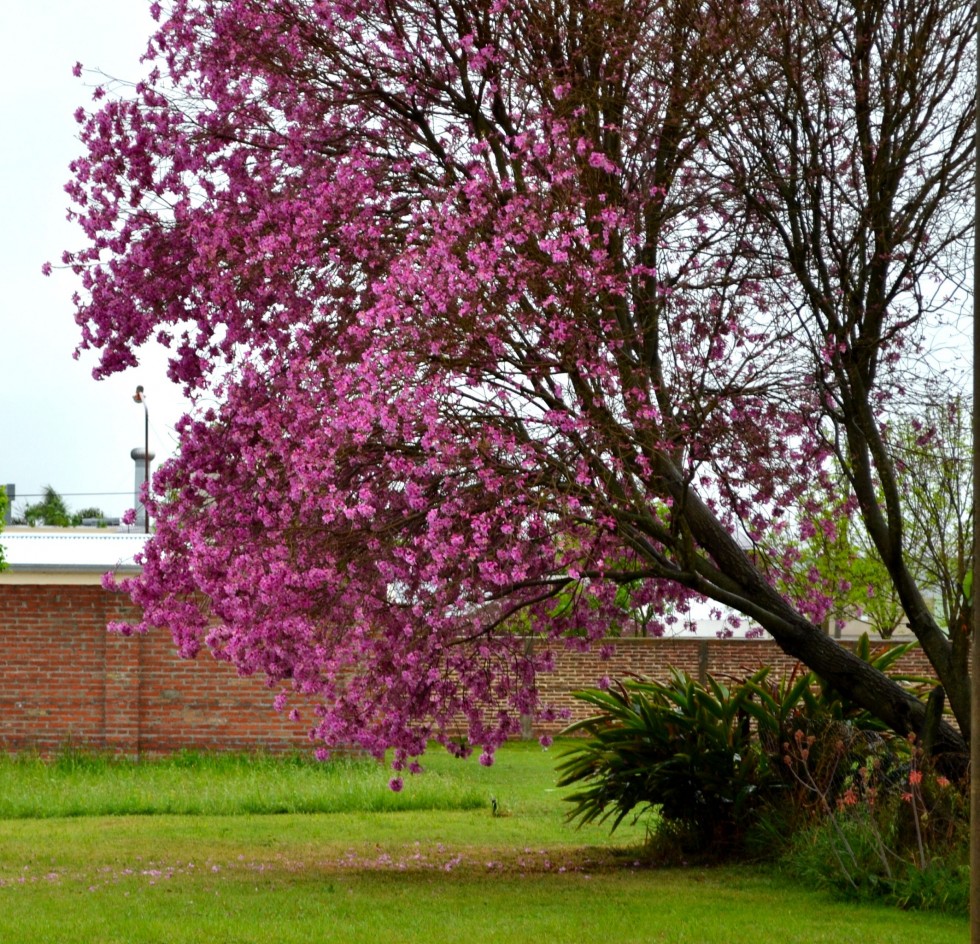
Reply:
x=58, y=425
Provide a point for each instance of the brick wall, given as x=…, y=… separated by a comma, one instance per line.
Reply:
x=733, y=658
x=64, y=678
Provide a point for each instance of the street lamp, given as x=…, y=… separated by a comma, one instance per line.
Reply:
x=140, y=397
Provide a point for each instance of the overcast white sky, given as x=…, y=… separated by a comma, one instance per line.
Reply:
x=58, y=426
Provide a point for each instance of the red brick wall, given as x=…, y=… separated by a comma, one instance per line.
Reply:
x=734, y=658
x=53, y=665
x=64, y=678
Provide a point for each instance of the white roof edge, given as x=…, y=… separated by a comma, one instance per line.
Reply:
x=71, y=551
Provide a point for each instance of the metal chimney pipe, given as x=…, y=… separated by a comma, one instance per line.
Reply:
x=142, y=459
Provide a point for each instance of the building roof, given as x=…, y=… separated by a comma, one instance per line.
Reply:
x=70, y=555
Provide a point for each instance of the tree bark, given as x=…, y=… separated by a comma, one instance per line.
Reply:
x=852, y=677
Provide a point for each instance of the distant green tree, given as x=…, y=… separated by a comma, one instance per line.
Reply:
x=54, y=512
x=932, y=453
x=931, y=456
x=4, y=501
x=51, y=511
x=831, y=568
x=87, y=513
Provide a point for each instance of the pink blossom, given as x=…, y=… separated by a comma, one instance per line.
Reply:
x=473, y=379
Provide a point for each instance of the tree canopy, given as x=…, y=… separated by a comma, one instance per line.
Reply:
x=52, y=510
x=493, y=307
x=4, y=504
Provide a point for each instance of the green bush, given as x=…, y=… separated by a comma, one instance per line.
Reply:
x=851, y=856
x=890, y=828
x=738, y=769
x=687, y=749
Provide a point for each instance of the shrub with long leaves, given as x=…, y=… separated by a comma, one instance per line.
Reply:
x=678, y=745
x=708, y=757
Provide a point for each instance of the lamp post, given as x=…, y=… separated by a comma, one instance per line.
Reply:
x=140, y=397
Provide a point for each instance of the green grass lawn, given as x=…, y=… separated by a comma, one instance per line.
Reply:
x=441, y=867
x=218, y=785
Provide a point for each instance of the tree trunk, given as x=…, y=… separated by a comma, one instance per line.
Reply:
x=747, y=590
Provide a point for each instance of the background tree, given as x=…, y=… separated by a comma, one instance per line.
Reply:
x=855, y=160
x=89, y=513
x=933, y=457
x=829, y=568
x=502, y=302
x=51, y=510
x=3, y=518
x=931, y=454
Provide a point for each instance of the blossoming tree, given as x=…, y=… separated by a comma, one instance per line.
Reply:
x=492, y=308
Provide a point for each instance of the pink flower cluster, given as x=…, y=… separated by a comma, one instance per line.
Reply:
x=463, y=347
